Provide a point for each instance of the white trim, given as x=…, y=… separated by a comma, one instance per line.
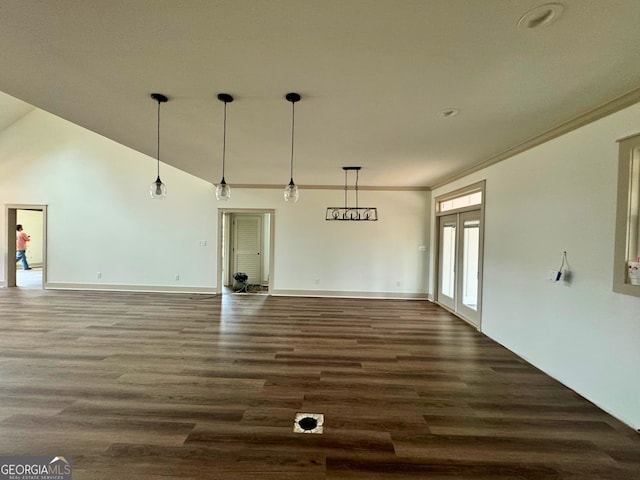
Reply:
x=567, y=385
x=480, y=186
x=10, y=211
x=272, y=224
x=129, y=288
x=612, y=106
x=461, y=192
x=212, y=291
x=459, y=315
x=339, y=294
x=381, y=188
x=626, y=148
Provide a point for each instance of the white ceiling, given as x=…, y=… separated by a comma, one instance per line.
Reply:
x=373, y=74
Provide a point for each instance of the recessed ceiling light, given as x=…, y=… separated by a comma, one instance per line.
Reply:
x=448, y=112
x=540, y=16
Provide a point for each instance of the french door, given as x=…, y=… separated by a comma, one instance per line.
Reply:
x=460, y=264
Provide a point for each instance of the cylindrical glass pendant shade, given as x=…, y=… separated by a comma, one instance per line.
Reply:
x=223, y=191
x=291, y=193
x=158, y=190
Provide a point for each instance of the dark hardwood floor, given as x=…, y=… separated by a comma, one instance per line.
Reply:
x=151, y=386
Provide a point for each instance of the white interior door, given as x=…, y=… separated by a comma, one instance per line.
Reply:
x=247, y=246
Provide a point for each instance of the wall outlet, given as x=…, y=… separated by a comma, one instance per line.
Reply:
x=203, y=243
x=177, y=276
x=99, y=275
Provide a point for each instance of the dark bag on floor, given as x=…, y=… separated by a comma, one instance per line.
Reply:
x=240, y=283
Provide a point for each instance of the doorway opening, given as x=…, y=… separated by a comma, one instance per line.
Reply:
x=459, y=241
x=245, y=245
x=33, y=219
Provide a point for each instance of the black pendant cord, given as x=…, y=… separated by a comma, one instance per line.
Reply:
x=346, y=185
x=357, y=175
x=158, y=149
x=293, y=126
x=224, y=140
x=345, y=189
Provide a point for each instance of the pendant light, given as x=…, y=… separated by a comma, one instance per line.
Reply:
x=223, y=191
x=291, y=193
x=158, y=190
x=356, y=213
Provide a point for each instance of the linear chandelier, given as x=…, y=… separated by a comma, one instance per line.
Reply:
x=355, y=214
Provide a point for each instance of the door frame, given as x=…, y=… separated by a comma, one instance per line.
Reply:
x=255, y=211
x=475, y=187
x=11, y=215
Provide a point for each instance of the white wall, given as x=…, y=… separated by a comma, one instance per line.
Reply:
x=315, y=256
x=562, y=196
x=100, y=216
x=101, y=219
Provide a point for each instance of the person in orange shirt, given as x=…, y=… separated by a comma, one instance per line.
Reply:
x=21, y=247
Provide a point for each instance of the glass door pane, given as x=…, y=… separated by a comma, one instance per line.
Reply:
x=471, y=250
x=447, y=255
x=449, y=260
x=468, y=287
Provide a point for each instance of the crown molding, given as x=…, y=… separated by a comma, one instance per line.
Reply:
x=612, y=106
x=332, y=187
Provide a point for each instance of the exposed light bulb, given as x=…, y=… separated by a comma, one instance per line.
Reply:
x=158, y=190
x=291, y=193
x=223, y=191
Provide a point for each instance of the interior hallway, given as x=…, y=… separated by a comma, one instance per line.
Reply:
x=29, y=278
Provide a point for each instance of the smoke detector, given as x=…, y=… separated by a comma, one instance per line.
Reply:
x=540, y=16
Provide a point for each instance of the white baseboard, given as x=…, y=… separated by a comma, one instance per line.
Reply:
x=341, y=294
x=212, y=291
x=129, y=288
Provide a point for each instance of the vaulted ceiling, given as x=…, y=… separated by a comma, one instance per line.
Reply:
x=373, y=76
